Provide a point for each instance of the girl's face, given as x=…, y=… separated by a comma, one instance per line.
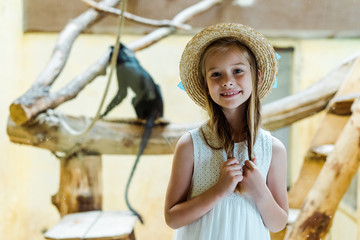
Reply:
x=228, y=77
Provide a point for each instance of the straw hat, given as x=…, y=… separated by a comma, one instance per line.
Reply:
x=258, y=45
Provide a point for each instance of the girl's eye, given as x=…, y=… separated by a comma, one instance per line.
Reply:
x=236, y=71
x=215, y=74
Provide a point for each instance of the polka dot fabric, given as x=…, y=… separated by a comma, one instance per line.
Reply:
x=236, y=217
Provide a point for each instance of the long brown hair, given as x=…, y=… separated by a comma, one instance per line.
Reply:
x=218, y=121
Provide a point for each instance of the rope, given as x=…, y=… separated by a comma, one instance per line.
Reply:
x=113, y=62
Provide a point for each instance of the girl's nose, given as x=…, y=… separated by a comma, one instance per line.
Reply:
x=227, y=81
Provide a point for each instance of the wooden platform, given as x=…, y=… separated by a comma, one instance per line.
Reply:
x=95, y=225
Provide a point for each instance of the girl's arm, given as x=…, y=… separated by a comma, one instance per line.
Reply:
x=178, y=210
x=270, y=196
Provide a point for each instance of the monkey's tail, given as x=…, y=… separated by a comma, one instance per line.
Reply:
x=145, y=138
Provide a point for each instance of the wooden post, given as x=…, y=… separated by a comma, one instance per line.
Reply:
x=321, y=203
x=80, y=184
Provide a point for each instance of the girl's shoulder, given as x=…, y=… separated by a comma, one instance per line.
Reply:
x=277, y=146
x=278, y=154
x=194, y=136
x=184, y=152
x=185, y=142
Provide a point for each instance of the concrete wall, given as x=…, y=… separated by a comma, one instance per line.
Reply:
x=30, y=176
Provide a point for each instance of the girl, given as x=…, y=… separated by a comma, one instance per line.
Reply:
x=228, y=178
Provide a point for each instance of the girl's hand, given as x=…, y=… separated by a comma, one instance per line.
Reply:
x=230, y=176
x=253, y=182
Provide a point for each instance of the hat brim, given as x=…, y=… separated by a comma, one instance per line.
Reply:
x=261, y=48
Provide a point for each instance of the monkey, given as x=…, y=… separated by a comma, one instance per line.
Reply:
x=131, y=74
x=148, y=102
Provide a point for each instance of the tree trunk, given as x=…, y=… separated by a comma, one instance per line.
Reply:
x=321, y=203
x=80, y=184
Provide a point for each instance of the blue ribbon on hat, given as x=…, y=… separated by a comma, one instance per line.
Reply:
x=278, y=57
x=181, y=86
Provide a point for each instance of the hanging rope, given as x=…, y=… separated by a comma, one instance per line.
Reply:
x=113, y=62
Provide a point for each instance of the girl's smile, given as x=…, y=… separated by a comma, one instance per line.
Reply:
x=228, y=76
x=230, y=93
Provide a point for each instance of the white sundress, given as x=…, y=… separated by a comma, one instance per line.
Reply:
x=235, y=217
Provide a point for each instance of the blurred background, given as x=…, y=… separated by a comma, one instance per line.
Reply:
x=313, y=38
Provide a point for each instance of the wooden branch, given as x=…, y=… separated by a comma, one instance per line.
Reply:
x=23, y=113
x=321, y=203
x=65, y=41
x=21, y=109
x=105, y=137
x=147, y=21
x=37, y=99
x=326, y=134
x=295, y=107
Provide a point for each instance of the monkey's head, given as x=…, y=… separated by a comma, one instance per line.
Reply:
x=124, y=54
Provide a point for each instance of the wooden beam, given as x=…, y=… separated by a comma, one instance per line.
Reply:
x=306, y=103
x=106, y=137
x=309, y=171
x=319, y=207
x=327, y=134
x=50, y=131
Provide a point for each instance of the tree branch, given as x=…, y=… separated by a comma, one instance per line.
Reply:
x=147, y=21
x=64, y=44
